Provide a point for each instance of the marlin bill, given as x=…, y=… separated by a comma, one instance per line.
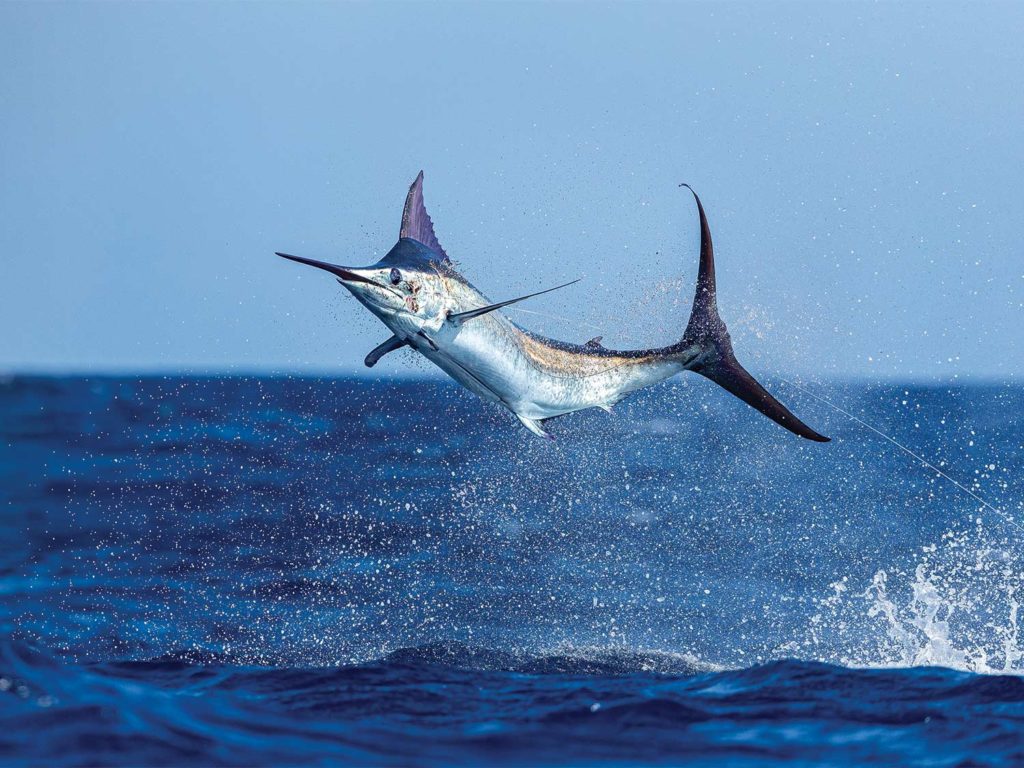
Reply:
x=428, y=306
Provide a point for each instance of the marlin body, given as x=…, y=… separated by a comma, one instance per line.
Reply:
x=428, y=306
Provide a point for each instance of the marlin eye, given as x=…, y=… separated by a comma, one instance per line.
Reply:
x=396, y=276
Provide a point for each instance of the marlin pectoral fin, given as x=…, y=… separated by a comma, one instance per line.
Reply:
x=382, y=349
x=534, y=426
x=460, y=317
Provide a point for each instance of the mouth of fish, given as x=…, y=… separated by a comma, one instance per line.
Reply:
x=346, y=276
x=351, y=277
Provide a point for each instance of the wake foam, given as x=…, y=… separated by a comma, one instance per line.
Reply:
x=565, y=661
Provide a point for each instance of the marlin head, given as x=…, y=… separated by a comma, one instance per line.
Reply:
x=403, y=292
x=406, y=288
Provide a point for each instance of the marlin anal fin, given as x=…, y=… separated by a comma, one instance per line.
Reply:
x=606, y=406
x=382, y=349
x=460, y=317
x=708, y=348
x=534, y=426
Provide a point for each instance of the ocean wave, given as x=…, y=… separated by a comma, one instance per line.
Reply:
x=456, y=704
x=279, y=572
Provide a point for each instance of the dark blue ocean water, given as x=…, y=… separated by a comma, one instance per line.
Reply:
x=271, y=571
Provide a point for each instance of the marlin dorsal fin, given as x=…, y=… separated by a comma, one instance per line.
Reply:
x=595, y=343
x=416, y=223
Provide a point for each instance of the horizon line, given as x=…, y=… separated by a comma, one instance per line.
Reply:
x=200, y=372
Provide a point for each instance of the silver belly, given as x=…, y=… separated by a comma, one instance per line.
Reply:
x=494, y=367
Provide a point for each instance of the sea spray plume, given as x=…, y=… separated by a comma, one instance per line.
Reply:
x=952, y=603
x=430, y=307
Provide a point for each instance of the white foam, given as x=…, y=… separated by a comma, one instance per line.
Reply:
x=956, y=607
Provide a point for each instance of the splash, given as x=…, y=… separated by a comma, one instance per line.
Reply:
x=955, y=606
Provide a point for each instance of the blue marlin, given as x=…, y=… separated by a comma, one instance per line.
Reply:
x=427, y=305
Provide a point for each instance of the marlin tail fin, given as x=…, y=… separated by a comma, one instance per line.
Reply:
x=707, y=337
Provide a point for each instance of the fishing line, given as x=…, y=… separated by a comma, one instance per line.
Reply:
x=909, y=452
x=555, y=317
x=580, y=324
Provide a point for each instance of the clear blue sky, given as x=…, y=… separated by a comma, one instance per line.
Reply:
x=862, y=167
